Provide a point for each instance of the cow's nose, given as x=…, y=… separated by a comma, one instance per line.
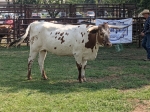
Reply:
x=109, y=44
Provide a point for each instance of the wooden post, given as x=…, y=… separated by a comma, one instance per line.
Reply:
x=140, y=29
x=124, y=11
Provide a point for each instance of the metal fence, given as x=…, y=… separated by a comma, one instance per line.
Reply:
x=72, y=13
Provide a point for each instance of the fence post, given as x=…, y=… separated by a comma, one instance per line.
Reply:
x=14, y=23
x=140, y=29
x=18, y=27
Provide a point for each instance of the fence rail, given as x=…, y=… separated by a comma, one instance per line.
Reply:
x=23, y=15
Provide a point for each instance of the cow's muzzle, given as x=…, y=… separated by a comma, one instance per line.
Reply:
x=108, y=44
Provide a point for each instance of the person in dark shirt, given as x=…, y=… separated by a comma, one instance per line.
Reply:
x=146, y=33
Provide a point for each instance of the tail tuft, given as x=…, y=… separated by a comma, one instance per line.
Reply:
x=21, y=39
x=14, y=42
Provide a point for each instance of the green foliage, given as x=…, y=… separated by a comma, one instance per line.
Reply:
x=145, y=4
x=55, y=1
x=82, y=1
x=37, y=1
x=27, y=1
x=142, y=4
x=52, y=1
x=89, y=1
x=75, y=1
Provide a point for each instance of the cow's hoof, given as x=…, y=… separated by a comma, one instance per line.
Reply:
x=44, y=78
x=84, y=79
x=29, y=78
x=80, y=80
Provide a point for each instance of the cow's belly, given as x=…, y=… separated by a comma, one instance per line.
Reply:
x=60, y=50
x=58, y=47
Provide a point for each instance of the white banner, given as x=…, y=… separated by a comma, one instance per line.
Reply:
x=119, y=35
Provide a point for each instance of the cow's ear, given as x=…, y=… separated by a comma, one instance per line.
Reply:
x=93, y=29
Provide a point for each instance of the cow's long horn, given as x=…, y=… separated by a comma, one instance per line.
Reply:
x=118, y=27
x=92, y=28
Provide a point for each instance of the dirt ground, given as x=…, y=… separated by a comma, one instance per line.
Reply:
x=142, y=106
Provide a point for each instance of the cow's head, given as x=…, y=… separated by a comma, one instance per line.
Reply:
x=102, y=34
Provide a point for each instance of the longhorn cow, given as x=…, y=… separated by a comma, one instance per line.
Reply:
x=80, y=41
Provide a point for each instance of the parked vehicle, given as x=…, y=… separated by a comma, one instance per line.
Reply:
x=38, y=17
x=5, y=15
x=62, y=14
x=1, y=17
x=78, y=14
x=90, y=14
x=48, y=16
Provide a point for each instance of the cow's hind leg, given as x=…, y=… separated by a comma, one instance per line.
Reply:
x=8, y=39
x=31, y=58
x=42, y=56
x=0, y=40
x=83, y=70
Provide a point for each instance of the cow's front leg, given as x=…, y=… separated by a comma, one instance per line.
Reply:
x=31, y=58
x=81, y=70
x=79, y=66
x=42, y=55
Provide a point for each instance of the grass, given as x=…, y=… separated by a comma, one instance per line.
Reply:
x=116, y=82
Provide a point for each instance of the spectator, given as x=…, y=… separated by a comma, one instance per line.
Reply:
x=146, y=33
x=9, y=21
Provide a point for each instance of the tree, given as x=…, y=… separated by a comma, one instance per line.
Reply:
x=145, y=4
x=74, y=1
x=82, y=1
x=89, y=1
x=25, y=1
x=36, y=1
x=141, y=4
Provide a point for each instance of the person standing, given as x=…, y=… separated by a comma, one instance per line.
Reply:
x=8, y=21
x=146, y=33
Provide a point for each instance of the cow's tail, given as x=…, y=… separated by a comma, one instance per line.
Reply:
x=21, y=39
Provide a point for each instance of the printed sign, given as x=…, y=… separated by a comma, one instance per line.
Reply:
x=119, y=35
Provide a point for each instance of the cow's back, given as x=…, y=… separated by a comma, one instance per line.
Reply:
x=60, y=39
